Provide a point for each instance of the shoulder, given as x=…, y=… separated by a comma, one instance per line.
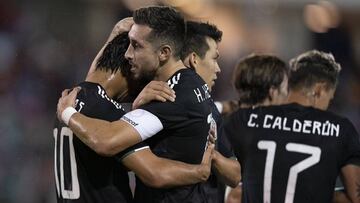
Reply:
x=185, y=78
x=93, y=101
x=189, y=87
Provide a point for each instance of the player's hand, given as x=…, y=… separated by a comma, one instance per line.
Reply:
x=205, y=167
x=67, y=99
x=212, y=137
x=123, y=25
x=155, y=90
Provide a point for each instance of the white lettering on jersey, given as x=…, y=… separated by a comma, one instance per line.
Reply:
x=296, y=125
x=266, y=124
x=144, y=122
x=205, y=88
x=202, y=95
x=198, y=95
x=286, y=128
x=81, y=104
x=252, y=123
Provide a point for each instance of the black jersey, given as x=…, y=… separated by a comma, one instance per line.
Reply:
x=81, y=175
x=213, y=187
x=291, y=153
x=184, y=126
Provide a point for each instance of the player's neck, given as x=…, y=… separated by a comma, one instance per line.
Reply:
x=267, y=102
x=168, y=69
x=300, y=98
x=113, y=83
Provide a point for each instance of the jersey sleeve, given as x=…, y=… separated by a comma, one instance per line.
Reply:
x=144, y=122
x=351, y=150
x=137, y=147
x=170, y=114
x=81, y=99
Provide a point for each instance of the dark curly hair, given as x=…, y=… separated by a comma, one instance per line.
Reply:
x=312, y=67
x=113, y=56
x=255, y=75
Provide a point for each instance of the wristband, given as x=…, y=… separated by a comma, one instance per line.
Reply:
x=67, y=113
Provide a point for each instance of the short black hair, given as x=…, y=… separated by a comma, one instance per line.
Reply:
x=195, y=40
x=312, y=67
x=167, y=24
x=255, y=74
x=113, y=56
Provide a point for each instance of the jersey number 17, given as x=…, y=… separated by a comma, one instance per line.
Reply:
x=270, y=147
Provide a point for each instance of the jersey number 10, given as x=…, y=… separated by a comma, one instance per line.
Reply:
x=270, y=147
x=69, y=186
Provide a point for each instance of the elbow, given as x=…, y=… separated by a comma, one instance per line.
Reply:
x=102, y=148
x=234, y=182
x=155, y=180
x=158, y=183
x=104, y=151
x=235, y=178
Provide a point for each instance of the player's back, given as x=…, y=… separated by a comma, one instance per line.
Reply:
x=186, y=126
x=81, y=174
x=290, y=153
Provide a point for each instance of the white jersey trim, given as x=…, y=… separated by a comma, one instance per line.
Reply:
x=145, y=123
x=219, y=106
x=174, y=80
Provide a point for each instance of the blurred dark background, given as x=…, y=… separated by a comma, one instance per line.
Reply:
x=46, y=46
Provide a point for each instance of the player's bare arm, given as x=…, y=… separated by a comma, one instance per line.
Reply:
x=164, y=173
x=106, y=138
x=351, y=179
x=123, y=25
x=227, y=169
x=340, y=197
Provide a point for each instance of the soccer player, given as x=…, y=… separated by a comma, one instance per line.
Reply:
x=261, y=80
x=182, y=127
x=294, y=152
x=201, y=53
x=81, y=174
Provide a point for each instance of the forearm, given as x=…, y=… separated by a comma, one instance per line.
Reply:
x=93, y=64
x=351, y=179
x=340, y=197
x=163, y=173
x=228, y=169
x=98, y=55
x=175, y=173
x=104, y=137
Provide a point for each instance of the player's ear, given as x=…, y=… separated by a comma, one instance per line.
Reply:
x=319, y=89
x=165, y=53
x=273, y=93
x=193, y=59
